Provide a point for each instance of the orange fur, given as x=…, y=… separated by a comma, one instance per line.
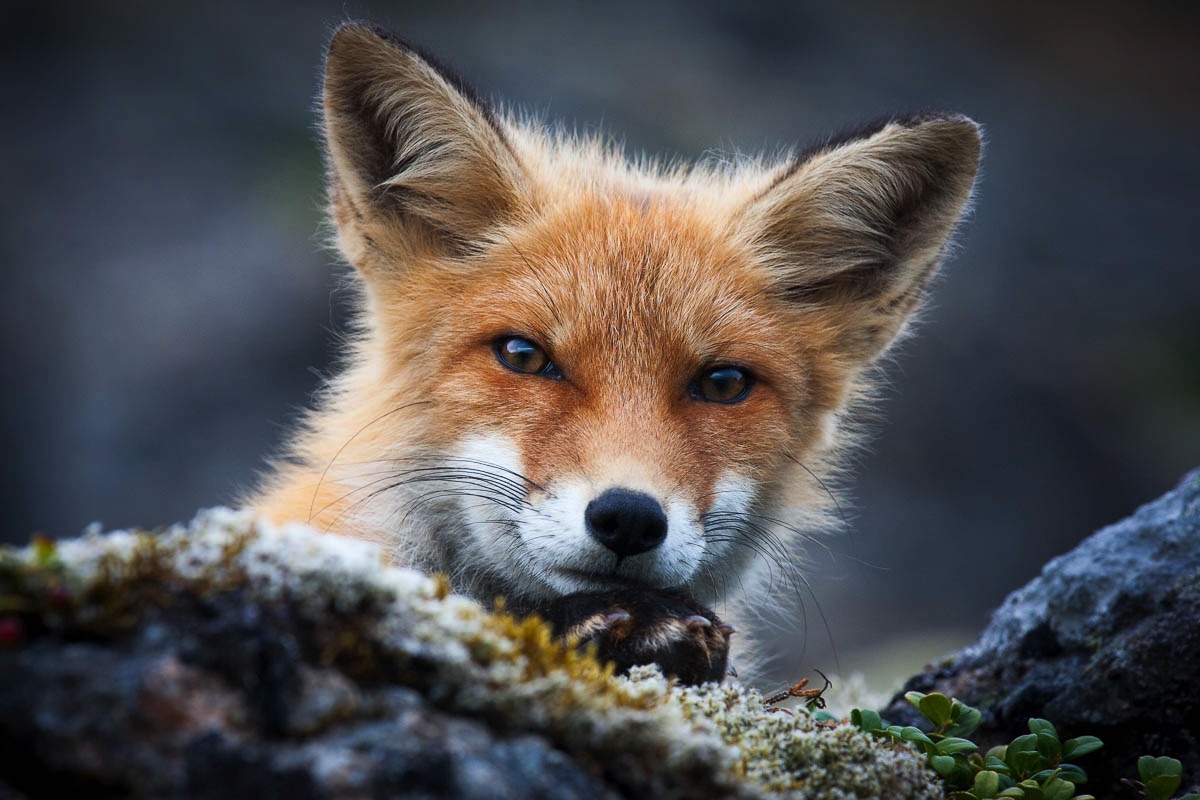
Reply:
x=465, y=226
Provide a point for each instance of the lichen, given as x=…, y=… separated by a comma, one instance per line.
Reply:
x=380, y=624
x=798, y=755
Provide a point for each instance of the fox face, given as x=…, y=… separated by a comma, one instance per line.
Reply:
x=573, y=373
x=637, y=399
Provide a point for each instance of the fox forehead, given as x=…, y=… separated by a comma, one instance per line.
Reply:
x=617, y=282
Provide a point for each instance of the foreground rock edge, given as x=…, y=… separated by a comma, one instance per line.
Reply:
x=346, y=634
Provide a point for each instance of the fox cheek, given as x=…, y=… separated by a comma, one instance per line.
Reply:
x=729, y=518
x=492, y=489
x=733, y=493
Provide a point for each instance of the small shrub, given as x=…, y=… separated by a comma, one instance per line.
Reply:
x=1035, y=766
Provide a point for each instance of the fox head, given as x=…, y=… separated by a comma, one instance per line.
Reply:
x=572, y=372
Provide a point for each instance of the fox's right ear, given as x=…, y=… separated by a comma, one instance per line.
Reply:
x=416, y=161
x=854, y=230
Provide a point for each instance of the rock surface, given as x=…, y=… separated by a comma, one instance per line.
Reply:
x=228, y=707
x=229, y=659
x=1106, y=642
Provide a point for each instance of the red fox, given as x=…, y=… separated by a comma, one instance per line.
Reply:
x=573, y=374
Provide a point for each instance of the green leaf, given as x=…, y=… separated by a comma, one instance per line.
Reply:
x=1026, y=743
x=942, y=765
x=936, y=708
x=1161, y=787
x=1149, y=766
x=996, y=764
x=911, y=734
x=1024, y=762
x=1022, y=755
x=987, y=783
x=1032, y=790
x=1039, y=726
x=950, y=746
x=1049, y=746
x=1025, y=789
x=1080, y=746
x=866, y=720
x=914, y=699
x=965, y=723
x=1057, y=789
x=1072, y=773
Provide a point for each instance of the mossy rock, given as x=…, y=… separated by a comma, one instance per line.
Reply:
x=229, y=656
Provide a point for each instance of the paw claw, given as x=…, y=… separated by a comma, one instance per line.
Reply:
x=726, y=629
x=631, y=626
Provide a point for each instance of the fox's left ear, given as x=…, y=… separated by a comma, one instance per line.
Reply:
x=856, y=228
x=416, y=160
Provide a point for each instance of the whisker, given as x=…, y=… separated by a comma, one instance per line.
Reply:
x=495, y=469
x=491, y=484
x=324, y=472
x=823, y=485
x=478, y=478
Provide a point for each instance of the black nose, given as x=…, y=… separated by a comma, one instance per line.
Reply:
x=626, y=522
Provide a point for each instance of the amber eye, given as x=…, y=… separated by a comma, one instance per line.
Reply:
x=522, y=355
x=723, y=385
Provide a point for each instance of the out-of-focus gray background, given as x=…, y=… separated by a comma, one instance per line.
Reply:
x=165, y=297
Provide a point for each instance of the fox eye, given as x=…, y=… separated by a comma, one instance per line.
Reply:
x=723, y=385
x=521, y=355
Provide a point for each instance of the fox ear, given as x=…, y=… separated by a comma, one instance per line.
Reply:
x=416, y=160
x=857, y=227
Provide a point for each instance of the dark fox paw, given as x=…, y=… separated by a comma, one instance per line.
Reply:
x=631, y=627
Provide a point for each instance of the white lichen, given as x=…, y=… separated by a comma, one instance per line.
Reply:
x=652, y=735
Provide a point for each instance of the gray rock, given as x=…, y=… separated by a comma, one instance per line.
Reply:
x=216, y=699
x=1106, y=642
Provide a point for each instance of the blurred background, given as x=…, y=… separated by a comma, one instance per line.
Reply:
x=167, y=305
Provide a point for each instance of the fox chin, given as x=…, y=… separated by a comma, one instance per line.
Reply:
x=572, y=374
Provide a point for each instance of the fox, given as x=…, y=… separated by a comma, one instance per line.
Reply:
x=614, y=391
